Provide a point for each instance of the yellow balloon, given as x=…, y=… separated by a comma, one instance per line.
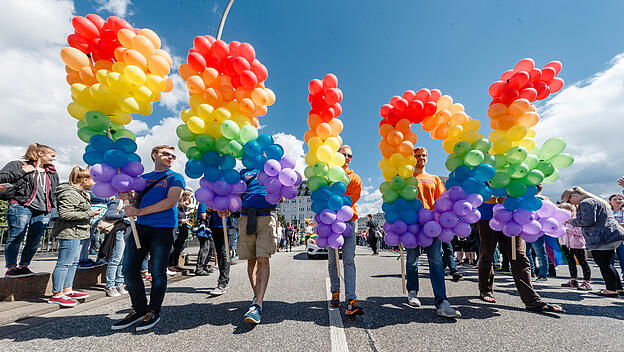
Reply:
x=530, y=133
x=129, y=105
x=145, y=108
x=310, y=158
x=397, y=160
x=77, y=111
x=196, y=124
x=406, y=171
x=338, y=159
x=156, y=83
x=456, y=107
x=143, y=94
x=501, y=146
x=222, y=114
x=134, y=75
x=445, y=102
x=324, y=153
x=389, y=173
x=315, y=142
x=117, y=83
x=496, y=135
x=119, y=67
x=384, y=163
x=470, y=136
x=472, y=124
x=120, y=117
x=448, y=144
x=100, y=75
x=195, y=101
x=411, y=160
x=454, y=132
x=205, y=112
x=516, y=133
x=214, y=130
x=103, y=94
x=186, y=114
x=333, y=143
x=528, y=143
x=77, y=89
x=241, y=120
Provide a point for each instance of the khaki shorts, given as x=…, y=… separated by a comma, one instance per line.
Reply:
x=261, y=244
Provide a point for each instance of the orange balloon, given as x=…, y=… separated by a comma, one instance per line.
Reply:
x=69, y=70
x=247, y=107
x=429, y=123
x=506, y=122
x=271, y=96
x=528, y=119
x=439, y=133
x=403, y=126
x=313, y=121
x=185, y=70
x=74, y=58
x=72, y=78
x=87, y=75
x=227, y=92
x=168, y=85
x=211, y=77
x=143, y=45
x=442, y=117
x=261, y=110
x=103, y=65
x=133, y=57
x=497, y=111
x=459, y=118
x=323, y=130
x=240, y=93
x=395, y=137
x=518, y=107
x=309, y=134
x=254, y=121
x=158, y=65
x=385, y=129
x=336, y=126
x=213, y=97
x=412, y=138
x=195, y=85
x=119, y=53
x=494, y=124
x=165, y=56
x=406, y=148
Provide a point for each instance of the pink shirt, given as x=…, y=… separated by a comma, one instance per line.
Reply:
x=574, y=236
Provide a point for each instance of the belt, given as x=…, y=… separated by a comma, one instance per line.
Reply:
x=252, y=220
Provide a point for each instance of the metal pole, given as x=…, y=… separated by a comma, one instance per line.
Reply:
x=223, y=17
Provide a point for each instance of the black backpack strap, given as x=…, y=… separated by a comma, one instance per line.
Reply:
x=138, y=199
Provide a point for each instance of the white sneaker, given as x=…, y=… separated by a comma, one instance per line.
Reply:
x=121, y=289
x=112, y=292
x=219, y=291
x=445, y=310
x=412, y=299
x=170, y=273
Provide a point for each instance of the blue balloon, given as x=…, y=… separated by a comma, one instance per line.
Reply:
x=126, y=145
x=451, y=182
x=401, y=204
x=484, y=172
x=335, y=202
x=486, y=192
x=318, y=206
x=346, y=200
x=260, y=164
x=324, y=192
x=392, y=216
x=93, y=157
x=409, y=216
x=511, y=203
x=498, y=192
x=253, y=148
x=531, y=191
x=194, y=168
x=134, y=156
x=531, y=203
x=211, y=158
x=89, y=148
x=416, y=204
x=315, y=195
x=471, y=185
x=227, y=162
x=250, y=161
x=338, y=188
x=264, y=140
x=231, y=176
x=274, y=151
x=101, y=142
x=211, y=173
x=115, y=158
x=462, y=172
x=387, y=207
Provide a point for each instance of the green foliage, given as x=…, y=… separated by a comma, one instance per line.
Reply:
x=3, y=209
x=281, y=218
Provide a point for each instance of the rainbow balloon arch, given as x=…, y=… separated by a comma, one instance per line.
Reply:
x=507, y=164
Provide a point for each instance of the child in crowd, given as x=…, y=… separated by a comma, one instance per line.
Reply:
x=574, y=246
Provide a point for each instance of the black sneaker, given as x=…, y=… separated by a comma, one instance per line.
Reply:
x=149, y=320
x=201, y=272
x=457, y=276
x=354, y=309
x=130, y=319
x=335, y=300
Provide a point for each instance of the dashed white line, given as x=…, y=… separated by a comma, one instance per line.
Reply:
x=336, y=329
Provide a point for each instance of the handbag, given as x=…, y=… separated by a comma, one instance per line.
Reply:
x=105, y=226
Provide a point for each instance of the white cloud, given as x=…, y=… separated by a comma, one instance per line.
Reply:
x=137, y=127
x=370, y=201
x=588, y=115
x=293, y=147
x=117, y=7
x=178, y=98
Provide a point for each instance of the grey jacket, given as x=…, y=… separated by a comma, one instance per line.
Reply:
x=74, y=209
x=598, y=224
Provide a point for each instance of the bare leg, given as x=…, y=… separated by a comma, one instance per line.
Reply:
x=460, y=257
x=471, y=257
x=262, y=280
x=252, y=273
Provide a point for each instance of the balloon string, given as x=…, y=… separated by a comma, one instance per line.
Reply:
x=223, y=17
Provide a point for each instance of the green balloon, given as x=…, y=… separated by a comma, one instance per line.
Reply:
x=412, y=181
x=460, y=149
x=335, y=174
x=221, y=145
x=516, y=188
x=552, y=178
x=248, y=133
x=80, y=124
x=500, y=179
x=86, y=133
x=482, y=144
x=473, y=158
x=397, y=183
x=308, y=171
x=346, y=180
x=490, y=160
x=409, y=192
x=235, y=149
x=518, y=170
x=546, y=168
x=229, y=129
x=516, y=155
x=97, y=120
x=453, y=162
x=184, y=133
x=534, y=177
x=385, y=187
x=315, y=182
x=185, y=145
x=390, y=196
x=205, y=142
x=501, y=162
x=562, y=161
x=320, y=169
x=552, y=147
x=118, y=134
x=531, y=161
x=194, y=153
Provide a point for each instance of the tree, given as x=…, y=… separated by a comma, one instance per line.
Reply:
x=281, y=218
x=3, y=209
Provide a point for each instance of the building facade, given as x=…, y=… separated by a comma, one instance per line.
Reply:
x=298, y=209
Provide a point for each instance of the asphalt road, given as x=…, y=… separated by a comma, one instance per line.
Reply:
x=296, y=316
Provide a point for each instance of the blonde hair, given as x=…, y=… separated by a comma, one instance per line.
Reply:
x=565, y=196
x=32, y=153
x=78, y=174
x=158, y=148
x=421, y=148
x=567, y=206
x=586, y=194
x=186, y=195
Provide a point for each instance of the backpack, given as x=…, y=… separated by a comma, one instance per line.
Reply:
x=8, y=190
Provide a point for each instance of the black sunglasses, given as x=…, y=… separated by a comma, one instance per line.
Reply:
x=347, y=155
x=172, y=156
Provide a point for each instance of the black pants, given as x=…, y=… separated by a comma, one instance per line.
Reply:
x=570, y=254
x=205, y=254
x=372, y=240
x=505, y=261
x=447, y=256
x=178, y=246
x=609, y=274
x=224, y=265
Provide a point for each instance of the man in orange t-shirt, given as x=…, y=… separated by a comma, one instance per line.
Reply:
x=430, y=188
x=354, y=190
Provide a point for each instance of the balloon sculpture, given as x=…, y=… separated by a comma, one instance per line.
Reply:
x=114, y=71
x=508, y=164
x=326, y=178
x=227, y=95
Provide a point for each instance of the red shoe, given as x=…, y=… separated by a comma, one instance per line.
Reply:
x=77, y=295
x=62, y=301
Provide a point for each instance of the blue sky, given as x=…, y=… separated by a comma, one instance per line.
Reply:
x=382, y=48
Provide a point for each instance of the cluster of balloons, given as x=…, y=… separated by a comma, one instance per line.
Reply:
x=227, y=95
x=530, y=225
x=280, y=179
x=114, y=71
x=326, y=178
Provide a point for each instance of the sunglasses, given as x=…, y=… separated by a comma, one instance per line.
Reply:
x=168, y=155
x=347, y=155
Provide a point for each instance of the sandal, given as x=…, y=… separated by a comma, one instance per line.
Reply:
x=547, y=308
x=601, y=293
x=487, y=297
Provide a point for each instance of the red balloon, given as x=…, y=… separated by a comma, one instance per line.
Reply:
x=247, y=51
x=337, y=109
x=78, y=42
x=248, y=78
x=220, y=49
x=506, y=75
x=203, y=46
x=228, y=66
x=332, y=95
x=210, y=38
x=341, y=96
x=318, y=103
x=394, y=100
x=401, y=104
x=548, y=73
x=424, y=95
x=535, y=74
x=435, y=95
x=96, y=20
x=524, y=65
x=555, y=84
x=330, y=81
x=327, y=114
x=197, y=62
x=393, y=116
x=544, y=94
x=509, y=96
x=430, y=108
x=240, y=64
x=260, y=70
x=409, y=95
x=519, y=79
x=529, y=94
x=108, y=34
x=118, y=24
x=556, y=65
x=315, y=86
x=385, y=109
x=495, y=101
x=497, y=88
x=415, y=109
x=235, y=82
x=214, y=63
x=235, y=48
x=85, y=28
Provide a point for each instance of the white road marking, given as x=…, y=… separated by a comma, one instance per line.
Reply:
x=336, y=329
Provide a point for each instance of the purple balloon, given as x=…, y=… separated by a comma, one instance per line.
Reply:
x=235, y=203
x=387, y=227
x=102, y=172
x=443, y=204
x=322, y=242
x=345, y=213
x=456, y=193
x=399, y=227
x=424, y=215
x=103, y=189
x=496, y=225
x=287, y=162
x=348, y=230
x=289, y=192
x=561, y=215
x=432, y=229
x=473, y=217
x=497, y=207
x=272, y=167
x=532, y=228
x=512, y=228
x=139, y=183
x=221, y=203
x=475, y=199
x=409, y=240
x=448, y=219
x=446, y=235
x=560, y=232
x=547, y=209
x=299, y=179
x=503, y=215
x=523, y=216
x=529, y=238
x=327, y=217
x=203, y=182
x=317, y=218
x=392, y=239
x=204, y=195
x=288, y=177
x=423, y=239
x=262, y=178
x=462, y=229
x=413, y=228
x=239, y=187
x=323, y=230
x=221, y=188
x=273, y=198
x=339, y=227
x=335, y=240
x=273, y=185
x=549, y=225
x=462, y=207
x=122, y=182
x=132, y=168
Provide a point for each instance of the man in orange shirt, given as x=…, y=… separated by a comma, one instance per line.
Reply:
x=430, y=188
x=348, y=248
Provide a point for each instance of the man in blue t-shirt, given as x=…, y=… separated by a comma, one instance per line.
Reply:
x=157, y=219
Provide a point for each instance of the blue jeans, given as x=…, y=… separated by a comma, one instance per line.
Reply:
x=157, y=241
x=348, y=261
x=619, y=254
x=539, y=247
x=436, y=270
x=63, y=274
x=448, y=259
x=18, y=218
x=89, y=243
x=114, y=273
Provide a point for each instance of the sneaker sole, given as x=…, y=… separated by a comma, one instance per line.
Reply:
x=252, y=320
x=147, y=327
x=449, y=316
x=63, y=304
x=82, y=297
x=119, y=327
x=18, y=276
